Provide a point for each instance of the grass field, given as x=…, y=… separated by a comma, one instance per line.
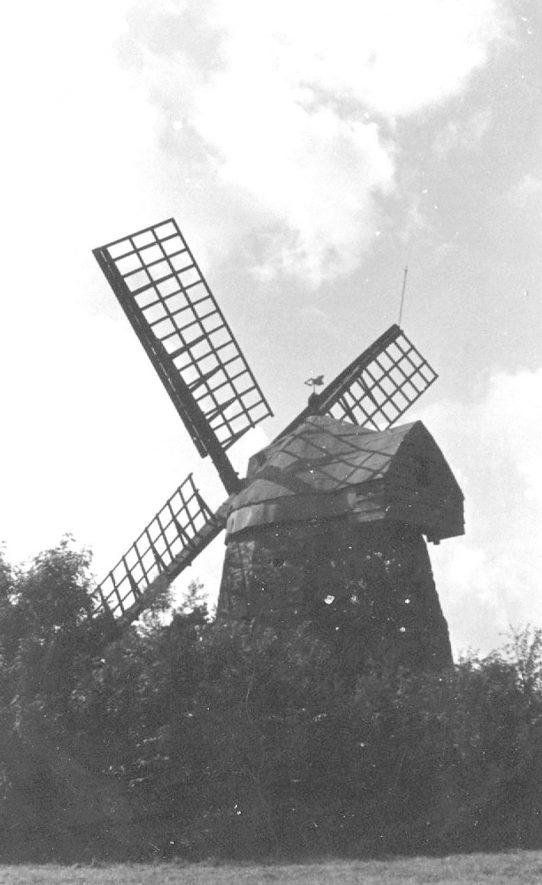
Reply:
x=506, y=869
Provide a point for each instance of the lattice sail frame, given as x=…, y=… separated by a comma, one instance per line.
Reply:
x=174, y=313
x=173, y=538
x=377, y=388
x=380, y=389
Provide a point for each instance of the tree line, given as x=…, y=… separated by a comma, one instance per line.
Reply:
x=187, y=738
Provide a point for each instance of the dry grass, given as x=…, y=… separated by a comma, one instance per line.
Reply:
x=505, y=869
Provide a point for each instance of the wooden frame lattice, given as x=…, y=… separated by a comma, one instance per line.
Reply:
x=376, y=388
x=384, y=386
x=161, y=288
x=175, y=535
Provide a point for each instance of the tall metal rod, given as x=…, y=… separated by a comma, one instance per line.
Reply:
x=403, y=295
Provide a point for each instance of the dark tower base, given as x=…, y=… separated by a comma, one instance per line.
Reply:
x=366, y=588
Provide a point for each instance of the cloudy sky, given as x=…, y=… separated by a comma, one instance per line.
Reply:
x=309, y=151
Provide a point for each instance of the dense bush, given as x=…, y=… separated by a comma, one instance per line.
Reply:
x=223, y=740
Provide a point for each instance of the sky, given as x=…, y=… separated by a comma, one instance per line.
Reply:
x=309, y=152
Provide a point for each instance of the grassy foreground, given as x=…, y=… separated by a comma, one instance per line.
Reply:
x=508, y=868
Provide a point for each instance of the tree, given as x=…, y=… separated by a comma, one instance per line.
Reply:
x=195, y=738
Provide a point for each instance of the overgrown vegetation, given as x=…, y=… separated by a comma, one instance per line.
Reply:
x=197, y=740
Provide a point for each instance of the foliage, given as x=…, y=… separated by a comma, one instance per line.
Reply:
x=195, y=739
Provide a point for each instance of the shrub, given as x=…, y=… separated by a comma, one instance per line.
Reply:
x=200, y=739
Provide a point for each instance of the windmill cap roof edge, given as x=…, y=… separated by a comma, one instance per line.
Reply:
x=326, y=466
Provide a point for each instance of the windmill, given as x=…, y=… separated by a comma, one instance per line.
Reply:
x=330, y=517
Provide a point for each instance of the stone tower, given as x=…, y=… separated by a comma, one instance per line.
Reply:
x=331, y=527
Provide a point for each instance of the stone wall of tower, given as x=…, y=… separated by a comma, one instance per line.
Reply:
x=368, y=589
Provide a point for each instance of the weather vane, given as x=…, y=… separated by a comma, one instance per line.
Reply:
x=315, y=382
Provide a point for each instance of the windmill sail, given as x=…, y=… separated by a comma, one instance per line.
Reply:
x=168, y=544
x=377, y=387
x=175, y=316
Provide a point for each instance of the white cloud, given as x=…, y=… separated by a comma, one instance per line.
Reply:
x=282, y=106
x=395, y=58
x=465, y=134
x=79, y=141
x=490, y=579
x=527, y=193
